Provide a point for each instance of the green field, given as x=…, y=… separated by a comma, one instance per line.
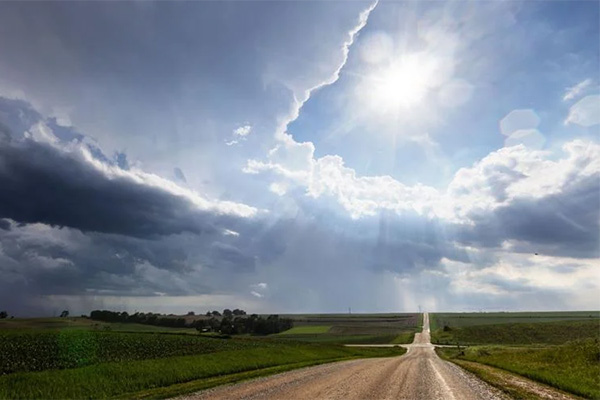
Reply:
x=458, y=320
x=42, y=350
x=307, y=330
x=560, y=349
x=573, y=367
x=556, y=332
x=353, y=328
x=126, y=378
x=78, y=323
x=77, y=358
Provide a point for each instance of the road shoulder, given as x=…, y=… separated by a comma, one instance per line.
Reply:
x=514, y=385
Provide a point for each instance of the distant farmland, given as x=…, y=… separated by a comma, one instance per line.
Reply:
x=353, y=328
x=457, y=320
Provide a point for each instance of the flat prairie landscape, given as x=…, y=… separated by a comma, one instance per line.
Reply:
x=496, y=355
x=300, y=199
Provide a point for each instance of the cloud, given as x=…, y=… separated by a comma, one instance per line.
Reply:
x=84, y=193
x=242, y=131
x=109, y=231
x=564, y=224
x=80, y=188
x=259, y=289
x=576, y=90
x=496, y=180
x=239, y=134
x=586, y=112
x=229, y=232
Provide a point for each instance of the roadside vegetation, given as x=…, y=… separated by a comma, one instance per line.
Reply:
x=573, y=367
x=561, y=349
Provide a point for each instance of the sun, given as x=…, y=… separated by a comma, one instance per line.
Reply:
x=401, y=84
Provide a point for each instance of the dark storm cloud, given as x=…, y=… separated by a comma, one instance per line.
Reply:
x=16, y=116
x=564, y=224
x=231, y=256
x=37, y=261
x=41, y=183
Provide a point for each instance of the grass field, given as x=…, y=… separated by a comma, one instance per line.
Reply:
x=556, y=332
x=81, y=362
x=573, y=367
x=78, y=323
x=80, y=358
x=353, y=328
x=458, y=320
x=557, y=348
x=307, y=330
x=42, y=350
x=125, y=378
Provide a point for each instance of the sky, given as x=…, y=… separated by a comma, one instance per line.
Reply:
x=299, y=156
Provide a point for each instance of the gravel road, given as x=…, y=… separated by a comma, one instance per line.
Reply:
x=419, y=374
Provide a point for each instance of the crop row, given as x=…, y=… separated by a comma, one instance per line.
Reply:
x=37, y=351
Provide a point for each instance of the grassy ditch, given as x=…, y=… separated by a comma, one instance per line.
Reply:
x=573, y=367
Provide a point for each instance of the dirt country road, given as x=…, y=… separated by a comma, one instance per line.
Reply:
x=419, y=374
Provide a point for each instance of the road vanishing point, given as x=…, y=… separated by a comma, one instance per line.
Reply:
x=418, y=374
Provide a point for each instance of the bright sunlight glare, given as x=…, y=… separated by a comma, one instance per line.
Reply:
x=401, y=84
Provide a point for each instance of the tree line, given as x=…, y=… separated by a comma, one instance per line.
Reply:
x=229, y=322
x=138, y=318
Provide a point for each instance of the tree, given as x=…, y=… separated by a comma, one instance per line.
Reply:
x=216, y=314
x=227, y=313
x=64, y=314
x=191, y=313
x=3, y=314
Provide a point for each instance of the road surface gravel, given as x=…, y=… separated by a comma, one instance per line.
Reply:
x=418, y=374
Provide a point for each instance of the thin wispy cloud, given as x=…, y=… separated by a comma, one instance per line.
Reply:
x=577, y=90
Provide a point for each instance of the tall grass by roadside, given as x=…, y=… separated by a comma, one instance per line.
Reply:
x=573, y=367
x=126, y=378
